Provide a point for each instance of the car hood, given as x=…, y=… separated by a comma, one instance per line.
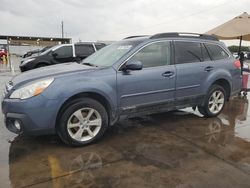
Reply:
x=32, y=56
x=50, y=71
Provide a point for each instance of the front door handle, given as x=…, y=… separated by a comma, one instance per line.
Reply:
x=209, y=68
x=168, y=74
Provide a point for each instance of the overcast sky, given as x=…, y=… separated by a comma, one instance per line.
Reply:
x=91, y=20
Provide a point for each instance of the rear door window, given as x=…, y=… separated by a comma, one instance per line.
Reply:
x=187, y=52
x=84, y=50
x=216, y=52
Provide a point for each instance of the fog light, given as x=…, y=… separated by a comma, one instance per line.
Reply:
x=17, y=125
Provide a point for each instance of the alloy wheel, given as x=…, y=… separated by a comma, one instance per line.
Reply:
x=216, y=102
x=84, y=124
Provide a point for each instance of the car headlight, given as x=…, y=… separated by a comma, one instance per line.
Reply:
x=28, y=60
x=31, y=90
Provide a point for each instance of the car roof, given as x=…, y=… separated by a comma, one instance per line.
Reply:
x=84, y=43
x=175, y=36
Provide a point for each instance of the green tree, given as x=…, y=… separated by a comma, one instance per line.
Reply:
x=235, y=48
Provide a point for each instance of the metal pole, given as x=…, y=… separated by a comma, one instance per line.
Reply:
x=62, y=30
x=241, y=56
x=240, y=45
x=8, y=55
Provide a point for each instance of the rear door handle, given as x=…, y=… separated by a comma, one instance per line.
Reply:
x=209, y=68
x=168, y=74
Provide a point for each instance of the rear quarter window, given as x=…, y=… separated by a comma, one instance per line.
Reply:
x=99, y=46
x=216, y=52
x=84, y=50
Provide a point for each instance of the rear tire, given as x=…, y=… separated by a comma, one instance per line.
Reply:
x=214, y=101
x=82, y=122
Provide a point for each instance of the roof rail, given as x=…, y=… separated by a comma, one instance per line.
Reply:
x=186, y=35
x=130, y=37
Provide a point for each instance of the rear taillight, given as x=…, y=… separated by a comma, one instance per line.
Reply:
x=237, y=64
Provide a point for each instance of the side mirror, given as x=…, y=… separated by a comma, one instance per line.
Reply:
x=54, y=54
x=132, y=65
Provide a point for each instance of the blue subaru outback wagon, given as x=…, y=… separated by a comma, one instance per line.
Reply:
x=135, y=76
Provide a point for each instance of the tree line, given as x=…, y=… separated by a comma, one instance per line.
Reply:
x=235, y=48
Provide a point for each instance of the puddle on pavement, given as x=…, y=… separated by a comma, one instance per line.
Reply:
x=158, y=141
x=243, y=133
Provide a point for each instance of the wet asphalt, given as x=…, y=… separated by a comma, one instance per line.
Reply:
x=178, y=149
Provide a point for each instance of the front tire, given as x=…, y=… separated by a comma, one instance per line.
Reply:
x=214, y=101
x=82, y=122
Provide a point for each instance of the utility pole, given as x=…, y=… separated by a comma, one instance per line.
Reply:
x=62, y=30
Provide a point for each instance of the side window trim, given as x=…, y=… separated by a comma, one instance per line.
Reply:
x=147, y=44
x=203, y=44
x=74, y=50
x=94, y=47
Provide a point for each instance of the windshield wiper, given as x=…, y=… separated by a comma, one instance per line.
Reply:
x=89, y=64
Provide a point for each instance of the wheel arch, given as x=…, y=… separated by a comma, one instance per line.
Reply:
x=225, y=84
x=93, y=95
x=219, y=77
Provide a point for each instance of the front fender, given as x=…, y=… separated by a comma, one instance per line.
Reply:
x=65, y=88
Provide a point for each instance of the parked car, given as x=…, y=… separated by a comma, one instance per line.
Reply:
x=248, y=55
x=61, y=54
x=236, y=55
x=245, y=54
x=135, y=76
x=36, y=52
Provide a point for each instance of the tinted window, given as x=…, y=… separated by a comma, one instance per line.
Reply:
x=99, y=46
x=84, y=50
x=205, y=54
x=216, y=52
x=65, y=51
x=156, y=54
x=187, y=52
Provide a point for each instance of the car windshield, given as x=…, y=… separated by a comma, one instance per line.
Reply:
x=49, y=49
x=108, y=55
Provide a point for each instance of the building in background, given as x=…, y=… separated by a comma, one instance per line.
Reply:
x=17, y=46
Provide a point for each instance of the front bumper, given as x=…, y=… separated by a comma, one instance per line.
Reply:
x=22, y=68
x=36, y=115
